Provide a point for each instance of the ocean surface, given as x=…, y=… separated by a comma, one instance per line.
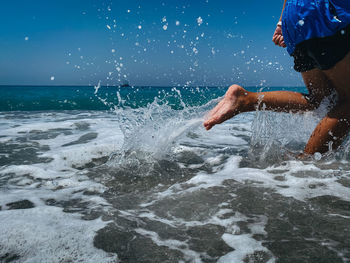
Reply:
x=109, y=174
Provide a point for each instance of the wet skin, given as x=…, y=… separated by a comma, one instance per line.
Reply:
x=330, y=131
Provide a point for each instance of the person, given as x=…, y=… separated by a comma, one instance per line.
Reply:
x=317, y=35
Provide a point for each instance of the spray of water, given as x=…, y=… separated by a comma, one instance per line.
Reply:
x=279, y=136
x=151, y=133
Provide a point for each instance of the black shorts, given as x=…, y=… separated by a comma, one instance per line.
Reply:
x=322, y=53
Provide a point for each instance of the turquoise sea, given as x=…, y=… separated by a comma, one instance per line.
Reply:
x=129, y=174
x=44, y=98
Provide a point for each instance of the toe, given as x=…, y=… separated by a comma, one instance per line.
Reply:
x=209, y=124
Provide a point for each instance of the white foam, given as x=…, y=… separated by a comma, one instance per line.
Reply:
x=244, y=245
x=60, y=181
x=109, y=138
x=189, y=254
x=292, y=186
x=46, y=234
x=70, y=185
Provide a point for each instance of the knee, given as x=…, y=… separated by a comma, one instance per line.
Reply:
x=315, y=98
x=313, y=101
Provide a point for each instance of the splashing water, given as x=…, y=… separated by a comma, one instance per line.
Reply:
x=152, y=132
x=282, y=136
x=171, y=189
x=274, y=135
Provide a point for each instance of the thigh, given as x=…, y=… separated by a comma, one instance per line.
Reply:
x=318, y=85
x=340, y=77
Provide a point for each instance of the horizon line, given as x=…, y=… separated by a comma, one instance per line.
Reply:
x=156, y=86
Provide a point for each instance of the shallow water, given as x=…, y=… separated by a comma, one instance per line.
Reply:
x=149, y=184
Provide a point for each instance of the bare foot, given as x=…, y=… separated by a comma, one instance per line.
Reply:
x=233, y=103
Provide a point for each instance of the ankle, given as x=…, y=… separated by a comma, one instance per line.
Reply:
x=251, y=101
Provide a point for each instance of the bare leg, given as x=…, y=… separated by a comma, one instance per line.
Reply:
x=238, y=100
x=333, y=128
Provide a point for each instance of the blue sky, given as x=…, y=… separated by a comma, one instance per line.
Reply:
x=149, y=42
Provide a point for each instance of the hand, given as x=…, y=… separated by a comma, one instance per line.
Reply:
x=278, y=37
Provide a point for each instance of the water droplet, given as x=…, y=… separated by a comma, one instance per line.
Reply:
x=317, y=156
x=199, y=21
